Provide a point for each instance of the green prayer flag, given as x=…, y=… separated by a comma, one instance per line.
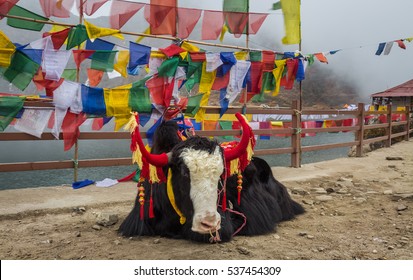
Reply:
x=226, y=125
x=193, y=75
x=103, y=60
x=193, y=105
x=21, y=70
x=77, y=36
x=276, y=5
x=239, y=6
x=25, y=24
x=139, y=98
x=268, y=82
x=69, y=74
x=255, y=56
x=9, y=107
x=168, y=67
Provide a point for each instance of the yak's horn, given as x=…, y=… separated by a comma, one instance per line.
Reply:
x=241, y=147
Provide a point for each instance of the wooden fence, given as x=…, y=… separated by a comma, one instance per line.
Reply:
x=294, y=132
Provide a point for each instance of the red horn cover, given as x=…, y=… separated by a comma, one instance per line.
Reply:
x=156, y=160
x=241, y=147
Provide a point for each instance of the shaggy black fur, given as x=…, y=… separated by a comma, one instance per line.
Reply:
x=264, y=201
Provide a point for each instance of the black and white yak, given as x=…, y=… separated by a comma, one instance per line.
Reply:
x=192, y=204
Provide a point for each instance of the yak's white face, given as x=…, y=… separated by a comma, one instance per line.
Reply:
x=205, y=170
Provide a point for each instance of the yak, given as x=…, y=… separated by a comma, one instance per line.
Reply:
x=195, y=169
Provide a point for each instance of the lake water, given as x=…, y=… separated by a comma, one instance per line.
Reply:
x=28, y=151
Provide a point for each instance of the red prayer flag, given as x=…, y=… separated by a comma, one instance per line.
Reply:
x=122, y=11
x=268, y=59
x=157, y=86
x=287, y=81
x=401, y=44
x=172, y=50
x=236, y=22
x=42, y=83
x=50, y=124
x=70, y=128
x=56, y=8
x=91, y=6
x=221, y=82
x=97, y=124
x=212, y=25
x=161, y=15
x=255, y=22
x=94, y=76
x=80, y=55
x=197, y=56
x=6, y=5
x=187, y=19
x=58, y=38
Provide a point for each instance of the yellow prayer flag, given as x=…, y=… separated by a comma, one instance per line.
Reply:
x=117, y=102
x=242, y=55
x=7, y=49
x=158, y=54
x=278, y=72
x=183, y=55
x=94, y=31
x=291, y=11
x=122, y=63
x=207, y=79
x=189, y=47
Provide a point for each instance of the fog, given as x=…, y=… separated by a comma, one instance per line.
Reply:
x=352, y=26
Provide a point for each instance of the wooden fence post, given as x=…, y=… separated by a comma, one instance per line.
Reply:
x=360, y=133
x=389, y=126
x=296, y=135
x=407, y=126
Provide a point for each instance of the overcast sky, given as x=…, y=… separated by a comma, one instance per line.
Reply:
x=355, y=27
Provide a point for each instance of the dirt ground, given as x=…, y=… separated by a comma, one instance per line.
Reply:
x=357, y=208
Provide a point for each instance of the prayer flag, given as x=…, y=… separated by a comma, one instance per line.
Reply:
x=81, y=55
x=24, y=24
x=93, y=100
x=6, y=5
x=21, y=70
x=187, y=19
x=99, y=45
x=70, y=127
x=103, y=60
x=77, y=36
x=380, y=48
x=161, y=15
x=58, y=38
x=193, y=105
x=139, y=55
x=139, y=99
x=94, y=76
x=291, y=11
x=321, y=57
x=56, y=8
x=94, y=31
x=33, y=121
x=10, y=106
x=7, y=50
x=212, y=23
x=122, y=60
x=91, y=6
x=54, y=61
x=122, y=11
x=236, y=15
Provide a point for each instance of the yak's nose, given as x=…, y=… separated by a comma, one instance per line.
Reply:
x=206, y=223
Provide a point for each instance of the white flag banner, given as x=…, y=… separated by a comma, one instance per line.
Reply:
x=236, y=78
x=213, y=61
x=54, y=61
x=33, y=121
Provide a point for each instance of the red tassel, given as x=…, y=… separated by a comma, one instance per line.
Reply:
x=151, y=213
x=224, y=201
x=239, y=197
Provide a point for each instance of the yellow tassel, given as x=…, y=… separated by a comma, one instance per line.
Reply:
x=137, y=158
x=250, y=151
x=153, y=175
x=233, y=169
x=132, y=123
